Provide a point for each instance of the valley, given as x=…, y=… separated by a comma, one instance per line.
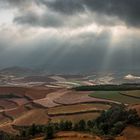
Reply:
x=44, y=99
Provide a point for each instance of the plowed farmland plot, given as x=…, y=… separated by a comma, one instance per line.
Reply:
x=7, y=104
x=115, y=96
x=130, y=133
x=79, y=97
x=36, y=93
x=48, y=101
x=12, y=89
x=77, y=108
x=137, y=107
x=37, y=116
x=75, y=118
x=30, y=92
x=75, y=136
x=19, y=91
x=14, y=113
x=19, y=101
x=135, y=93
x=8, y=129
x=3, y=118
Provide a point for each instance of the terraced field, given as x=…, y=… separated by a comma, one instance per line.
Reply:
x=17, y=107
x=78, y=108
x=19, y=111
x=22, y=106
x=7, y=104
x=3, y=118
x=75, y=118
x=37, y=116
x=72, y=136
x=135, y=93
x=115, y=96
x=48, y=101
x=74, y=97
x=75, y=136
x=40, y=105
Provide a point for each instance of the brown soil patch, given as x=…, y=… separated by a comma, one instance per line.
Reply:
x=3, y=118
x=7, y=104
x=35, y=93
x=76, y=117
x=19, y=91
x=130, y=133
x=75, y=136
x=37, y=116
x=77, y=108
x=48, y=101
x=137, y=107
x=30, y=92
x=78, y=97
x=19, y=111
x=40, y=138
x=8, y=129
x=19, y=101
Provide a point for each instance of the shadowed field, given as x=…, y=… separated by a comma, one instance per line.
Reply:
x=115, y=96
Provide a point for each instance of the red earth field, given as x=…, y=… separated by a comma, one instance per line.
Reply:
x=40, y=105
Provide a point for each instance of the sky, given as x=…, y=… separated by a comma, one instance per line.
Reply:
x=70, y=35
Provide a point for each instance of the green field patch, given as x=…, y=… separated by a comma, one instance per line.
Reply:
x=115, y=96
x=78, y=108
x=135, y=93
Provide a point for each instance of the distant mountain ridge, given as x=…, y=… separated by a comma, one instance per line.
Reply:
x=15, y=70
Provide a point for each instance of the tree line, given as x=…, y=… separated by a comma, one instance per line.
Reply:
x=121, y=87
x=110, y=123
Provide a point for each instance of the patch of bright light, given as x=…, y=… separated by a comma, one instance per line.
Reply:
x=131, y=77
x=6, y=16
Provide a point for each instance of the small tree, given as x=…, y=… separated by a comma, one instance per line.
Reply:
x=62, y=126
x=90, y=124
x=32, y=130
x=49, y=132
x=82, y=125
x=118, y=127
x=68, y=125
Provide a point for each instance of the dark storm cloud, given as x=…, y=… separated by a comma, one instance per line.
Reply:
x=66, y=6
x=126, y=10
x=44, y=20
x=73, y=49
x=85, y=52
x=14, y=3
x=109, y=11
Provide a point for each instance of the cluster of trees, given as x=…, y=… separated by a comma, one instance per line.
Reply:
x=4, y=136
x=113, y=121
x=52, y=128
x=121, y=87
x=109, y=123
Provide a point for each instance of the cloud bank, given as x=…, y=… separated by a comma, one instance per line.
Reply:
x=70, y=35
